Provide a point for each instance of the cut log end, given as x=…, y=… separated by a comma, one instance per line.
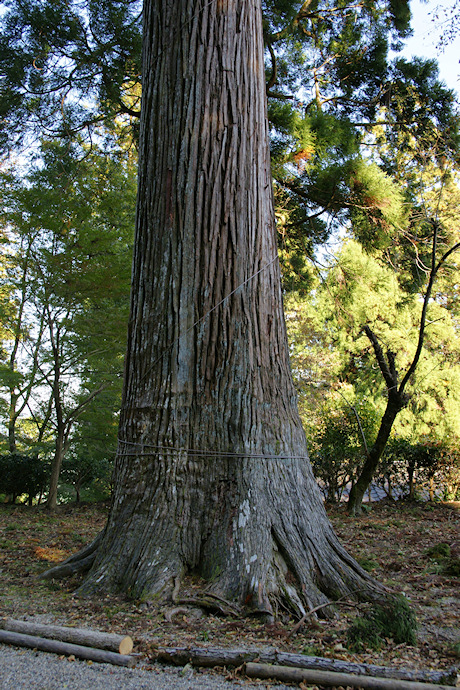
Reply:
x=126, y=645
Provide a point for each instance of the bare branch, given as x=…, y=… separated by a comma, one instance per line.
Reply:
x=388, y=372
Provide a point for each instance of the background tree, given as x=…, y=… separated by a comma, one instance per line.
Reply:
x=343, y=385
x=70, y=229
x=425, y=245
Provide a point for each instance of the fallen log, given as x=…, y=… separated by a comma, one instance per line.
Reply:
x=331, y=679
x=214, y=656
x=65, y=648
x=122, y=644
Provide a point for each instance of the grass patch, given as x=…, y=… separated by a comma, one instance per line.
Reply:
x=452, y=566
x=368, y=564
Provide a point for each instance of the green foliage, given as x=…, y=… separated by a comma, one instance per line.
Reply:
x=364, y=633
x=394, y=619
x=380, y=207
x=86, y=472
x=338, y=379
x=22, y=474
x=428, y=464
x=425, y=109
x=88, y=464
x=337, y=445
x=337, y=57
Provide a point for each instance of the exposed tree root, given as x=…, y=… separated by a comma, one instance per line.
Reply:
x=79, y=562
x=280, y=589
x=257, y=555
x=210, y=603
x=312, y=614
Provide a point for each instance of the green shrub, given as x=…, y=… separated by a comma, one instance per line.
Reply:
x=393, y=619
x=364, y=632
x=450, y=564
x=22, y=474
x=88, y=475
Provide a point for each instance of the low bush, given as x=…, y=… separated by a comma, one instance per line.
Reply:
x=22, y=474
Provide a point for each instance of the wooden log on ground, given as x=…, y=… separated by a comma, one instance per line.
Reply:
x=122, y=644
x=330, y=679
x=65, y=648
x=214, y=656
x=206, y=656
x=318, y=663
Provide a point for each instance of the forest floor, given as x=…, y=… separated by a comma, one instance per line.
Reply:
x=395, y=542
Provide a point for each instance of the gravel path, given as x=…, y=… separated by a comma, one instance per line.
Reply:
x=22, y=669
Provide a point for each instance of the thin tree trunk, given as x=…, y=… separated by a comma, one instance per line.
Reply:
x=411, y=480
x=64, y=421
x=60, y=423
x=212, y=474
x=374, y=455
x=56, y=464
x=12, y=418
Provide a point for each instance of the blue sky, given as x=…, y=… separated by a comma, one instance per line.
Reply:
x=425, y=40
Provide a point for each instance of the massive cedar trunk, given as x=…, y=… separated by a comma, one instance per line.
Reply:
x=212, y=474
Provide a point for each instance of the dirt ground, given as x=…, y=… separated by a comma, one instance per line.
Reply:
x=396, y=542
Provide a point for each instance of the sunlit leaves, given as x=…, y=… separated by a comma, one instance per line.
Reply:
x=334, y=365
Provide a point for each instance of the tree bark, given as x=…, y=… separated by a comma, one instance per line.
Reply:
x=56, y=464
x=211, y=474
